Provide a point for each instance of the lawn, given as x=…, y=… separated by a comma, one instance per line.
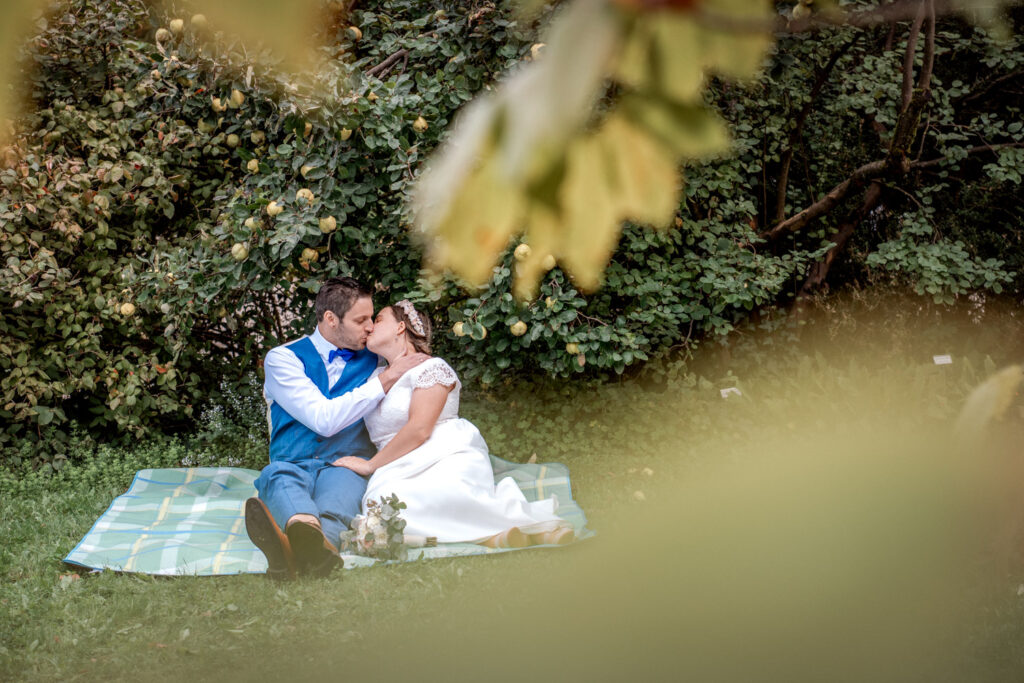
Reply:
x=822, y=524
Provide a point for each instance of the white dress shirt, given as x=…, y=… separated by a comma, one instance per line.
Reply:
x=287, y=385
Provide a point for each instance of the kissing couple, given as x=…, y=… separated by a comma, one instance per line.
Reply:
x=359, y=410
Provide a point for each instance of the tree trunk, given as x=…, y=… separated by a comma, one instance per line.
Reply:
x=819, y=271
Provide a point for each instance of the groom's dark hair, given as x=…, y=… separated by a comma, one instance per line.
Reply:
x=337, y=296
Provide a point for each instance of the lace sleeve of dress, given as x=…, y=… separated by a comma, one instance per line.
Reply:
x=435, y=371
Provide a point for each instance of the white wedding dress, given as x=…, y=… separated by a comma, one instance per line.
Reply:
x=447, y=483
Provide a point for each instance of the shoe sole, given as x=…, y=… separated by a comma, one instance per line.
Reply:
x=266, y=536
x=309, y=547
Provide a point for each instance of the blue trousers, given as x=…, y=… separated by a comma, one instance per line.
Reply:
x=312, y=487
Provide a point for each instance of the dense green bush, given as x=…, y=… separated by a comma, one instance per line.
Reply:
x=88, y=188
x=123, y=304
x=144, y=273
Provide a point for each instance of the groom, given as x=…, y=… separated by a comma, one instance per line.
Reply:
x=318, y=390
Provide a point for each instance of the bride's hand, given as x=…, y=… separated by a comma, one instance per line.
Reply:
x=358, y=465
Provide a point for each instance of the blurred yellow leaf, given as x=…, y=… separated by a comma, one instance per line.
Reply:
x=634, y=67
x=736, y=54
x=668, y=52
x=679, y=44
x=283, y=27
x=529, y=8
x=648, y=183
x=451, y=166
x=590, y=222
x=988, y=402
x=551, y=98
x=616, y=173
x=479, y=222
x=465, y=211
x=663, y=54
x=507, y=149
x=690, y=131
x=524, y=159
x=15, y=26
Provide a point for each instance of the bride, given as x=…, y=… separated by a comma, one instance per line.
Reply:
x=435, y=461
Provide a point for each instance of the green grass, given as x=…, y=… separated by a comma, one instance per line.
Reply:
x=811, y=529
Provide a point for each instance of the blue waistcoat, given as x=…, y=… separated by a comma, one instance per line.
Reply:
x=293, y=441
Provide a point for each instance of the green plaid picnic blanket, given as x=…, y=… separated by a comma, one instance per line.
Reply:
x=190, y=521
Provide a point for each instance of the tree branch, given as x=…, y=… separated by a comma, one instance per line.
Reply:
x=829, y=201
x=919, y=165
x=797, y=131
x=985, y=87
x=380, y=69
x=924, y=80
x=867, y=172
x=901, y=10
x=908, y=58
x=819, y=271
x=914, y=99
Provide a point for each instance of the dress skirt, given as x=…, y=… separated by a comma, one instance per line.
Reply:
x=448, y=486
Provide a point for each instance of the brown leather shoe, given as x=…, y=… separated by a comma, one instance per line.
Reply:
x=266, y=535
x=314, y=555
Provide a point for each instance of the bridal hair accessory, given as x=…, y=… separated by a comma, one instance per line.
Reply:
x=412, y=315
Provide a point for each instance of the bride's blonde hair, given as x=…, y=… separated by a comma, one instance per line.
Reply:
x=421, y=337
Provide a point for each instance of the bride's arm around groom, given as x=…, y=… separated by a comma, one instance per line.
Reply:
x=400, y=331
x=424, y=409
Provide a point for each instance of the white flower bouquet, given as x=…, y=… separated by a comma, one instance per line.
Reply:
x=380, y=532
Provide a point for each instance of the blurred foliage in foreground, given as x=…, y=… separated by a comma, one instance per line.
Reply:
x=532, y=158
x=155, y=240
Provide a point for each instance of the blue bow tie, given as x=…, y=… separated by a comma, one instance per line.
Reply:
x=343, y=354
